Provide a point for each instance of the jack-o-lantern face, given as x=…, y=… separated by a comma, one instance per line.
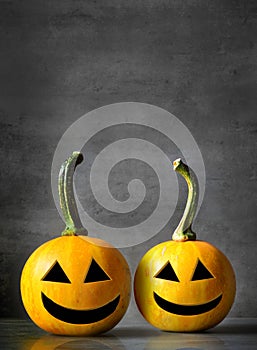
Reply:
x=200, y=273
x=95, y=274
x=184, y=286
x=76, y=285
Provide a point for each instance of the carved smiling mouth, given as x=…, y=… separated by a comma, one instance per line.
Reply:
x=186, y=310
x=79, y=316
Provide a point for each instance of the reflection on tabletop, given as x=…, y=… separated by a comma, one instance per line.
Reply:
x=230, y=334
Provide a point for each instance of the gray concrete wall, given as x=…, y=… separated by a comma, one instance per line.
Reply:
x=195, y=59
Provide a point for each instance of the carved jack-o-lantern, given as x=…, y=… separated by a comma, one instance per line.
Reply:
x=184, y=285
x=74, y=284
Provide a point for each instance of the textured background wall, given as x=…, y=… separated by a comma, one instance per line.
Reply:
x=196, y=59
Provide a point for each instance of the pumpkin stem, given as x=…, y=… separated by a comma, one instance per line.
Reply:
x=66, y=195
x=184, y=231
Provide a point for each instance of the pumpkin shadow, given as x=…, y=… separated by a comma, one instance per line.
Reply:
x=55, y=342
x=135, y=332
x=184, y=341
x=232, y=329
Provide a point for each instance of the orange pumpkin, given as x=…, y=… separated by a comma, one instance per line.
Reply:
x=184, y=285
x=74, y=284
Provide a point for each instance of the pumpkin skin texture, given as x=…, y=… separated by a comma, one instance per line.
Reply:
x=193, y=310
x=76, y=296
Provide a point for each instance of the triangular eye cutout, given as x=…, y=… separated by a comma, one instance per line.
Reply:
x=201, y=272
x=56, y=274
x=96, y=273
x=167, y=273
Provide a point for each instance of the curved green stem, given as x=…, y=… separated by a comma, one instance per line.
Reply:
x=184, y=231
x=66, y=195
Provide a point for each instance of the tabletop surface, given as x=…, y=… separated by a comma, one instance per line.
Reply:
x=232, y=333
